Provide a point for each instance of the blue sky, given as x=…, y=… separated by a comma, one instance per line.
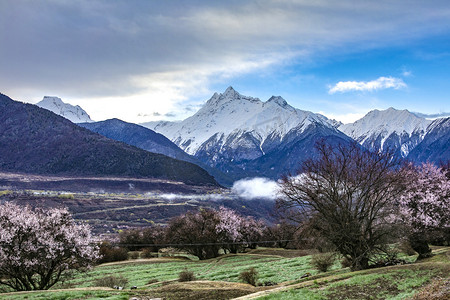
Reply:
x=150, y=60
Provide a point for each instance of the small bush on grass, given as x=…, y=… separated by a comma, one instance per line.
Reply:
x=250, y=276
x=186, y=276
x=323, y=261
x=134, y=255
x=147, y=253
x=111, y=281
x=109, y=253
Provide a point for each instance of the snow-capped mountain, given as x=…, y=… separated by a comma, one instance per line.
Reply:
x=232, y=131
x=435, y=147
x=227, y=118
x=73, y=113
x=393, y=129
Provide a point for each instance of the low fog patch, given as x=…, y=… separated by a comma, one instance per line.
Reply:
x=256, y=188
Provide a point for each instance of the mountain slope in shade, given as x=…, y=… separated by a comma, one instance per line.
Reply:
x=148, y=140
x=397, y=130
x=435, y=146
x=73, y=113
x=35, y=140
x=233, y=133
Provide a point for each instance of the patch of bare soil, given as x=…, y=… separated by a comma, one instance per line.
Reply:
x=280, y=252
x=197, y=290
x=379, y=287
x=438, y=289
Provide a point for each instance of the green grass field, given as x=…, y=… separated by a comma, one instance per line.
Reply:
x=219, y=279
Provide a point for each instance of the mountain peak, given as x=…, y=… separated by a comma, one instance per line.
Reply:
x=229, y=96
x=52, y=99
x=73, y=113
x=389, y=128
x=230, y=92
x=278, y=100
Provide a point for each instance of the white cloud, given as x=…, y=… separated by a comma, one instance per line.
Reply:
x=378, y=84
x=255, y=188
x=344, y=117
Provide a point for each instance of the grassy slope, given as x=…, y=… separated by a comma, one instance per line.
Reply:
x=398, y=282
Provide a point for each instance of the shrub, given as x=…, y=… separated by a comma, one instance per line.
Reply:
x=134, y=255
x=111, y=281
x=250, y=276
x=147, y=253
x=108, y=253
x=323, y=261
x=186, y=276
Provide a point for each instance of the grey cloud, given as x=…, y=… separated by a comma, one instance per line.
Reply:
x=96, y=48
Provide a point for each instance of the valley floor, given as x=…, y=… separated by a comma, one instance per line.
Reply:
x=219, y=279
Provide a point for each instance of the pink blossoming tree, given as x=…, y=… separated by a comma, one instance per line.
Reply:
x=39, y=247
x=237, y=232
x=206, y=232
x=425, y=205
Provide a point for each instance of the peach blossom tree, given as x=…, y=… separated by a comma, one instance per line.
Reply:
x=425, y=205
x=39, y=247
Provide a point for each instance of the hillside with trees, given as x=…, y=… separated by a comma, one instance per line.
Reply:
x=35, y=140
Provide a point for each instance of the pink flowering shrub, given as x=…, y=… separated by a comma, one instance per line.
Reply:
x=38, y=247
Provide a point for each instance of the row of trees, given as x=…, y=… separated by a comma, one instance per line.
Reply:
x=359, y=201
x=203, y=233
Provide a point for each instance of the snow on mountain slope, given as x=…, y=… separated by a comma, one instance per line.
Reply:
x=74, y=113
x=391, y=128
x=435, y=147
x=231, y=120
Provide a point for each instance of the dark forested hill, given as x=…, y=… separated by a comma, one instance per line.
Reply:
x=35, y=140
x=147, y=139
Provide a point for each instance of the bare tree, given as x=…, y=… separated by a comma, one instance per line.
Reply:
x=195, y=232
x=347, y=195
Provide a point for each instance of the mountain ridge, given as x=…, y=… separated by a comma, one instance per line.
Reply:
x=149, y=140
x=232, y=131
x=35, y=140
x=398, y=130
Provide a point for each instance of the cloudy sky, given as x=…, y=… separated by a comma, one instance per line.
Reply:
x=152, y=60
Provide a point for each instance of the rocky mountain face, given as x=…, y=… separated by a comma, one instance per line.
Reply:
x=73, y=113
x=244, y=136
x=35, y=140
x=397, y=130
